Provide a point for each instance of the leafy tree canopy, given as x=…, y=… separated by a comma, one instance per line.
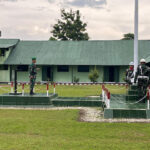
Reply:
x=128, y=36
x=70, y=27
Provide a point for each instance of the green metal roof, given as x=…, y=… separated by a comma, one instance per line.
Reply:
x=6, y=43
x=148, y=59
x=77, y=52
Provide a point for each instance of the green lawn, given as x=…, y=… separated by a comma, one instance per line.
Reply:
x=60, y=130
x=72, y=91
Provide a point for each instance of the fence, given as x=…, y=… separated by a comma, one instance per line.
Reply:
x=105, y=96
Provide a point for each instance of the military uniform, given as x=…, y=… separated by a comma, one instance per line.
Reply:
x=129, y=75
x=32, y=76
x=142, y=76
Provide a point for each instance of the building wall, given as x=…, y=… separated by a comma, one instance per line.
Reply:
x=122, y=73
x=83, y=76
x=73, y=72
x=101, y=74
x=62, y=76
x=5, y=75
x=24, y=75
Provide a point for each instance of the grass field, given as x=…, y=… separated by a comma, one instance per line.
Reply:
x=60, y=130
x=71, y=91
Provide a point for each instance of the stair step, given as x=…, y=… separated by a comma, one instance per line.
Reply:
x=133, y=87
x=133, y=92
x=126, y=113
x=131, y=97
x=89, y=103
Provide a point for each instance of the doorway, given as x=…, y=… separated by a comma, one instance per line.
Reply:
x=111, y=74
x=47, y=73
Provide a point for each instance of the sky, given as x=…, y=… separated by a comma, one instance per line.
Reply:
x=106, y=19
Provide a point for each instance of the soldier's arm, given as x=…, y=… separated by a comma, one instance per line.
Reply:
x=132, y=75
x=29, y=70
x=37, y=69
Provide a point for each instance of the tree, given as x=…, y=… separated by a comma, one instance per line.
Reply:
x=128, y=36
x=94, y=75
x=69, y=27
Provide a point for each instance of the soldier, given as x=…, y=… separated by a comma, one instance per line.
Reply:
x=142, y=75
x=32, y=69
x=130, y=73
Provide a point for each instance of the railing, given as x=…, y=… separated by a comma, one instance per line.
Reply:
x=70, y=83
x=105, y=96
x=27, y=83
x=104, y=90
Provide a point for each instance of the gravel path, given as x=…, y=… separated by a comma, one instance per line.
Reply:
x=96, y=115
x=86, y=114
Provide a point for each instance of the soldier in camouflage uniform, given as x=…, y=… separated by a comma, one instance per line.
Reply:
x=142, y=76
x=32, y=69
x=130, y=74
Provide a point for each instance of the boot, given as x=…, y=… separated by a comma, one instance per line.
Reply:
x=31, y=92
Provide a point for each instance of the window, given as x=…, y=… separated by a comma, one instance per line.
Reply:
x=63, y=68
x=22, y=68
x=3, y=51
x=83, y=68
x=3, y=67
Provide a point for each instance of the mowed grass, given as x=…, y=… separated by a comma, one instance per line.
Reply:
x=60, y=130
x=71, y=91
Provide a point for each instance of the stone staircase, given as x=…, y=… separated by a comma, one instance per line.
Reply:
x=133, y=94
x=128, y=107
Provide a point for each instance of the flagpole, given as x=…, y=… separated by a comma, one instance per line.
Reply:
x=136, y=36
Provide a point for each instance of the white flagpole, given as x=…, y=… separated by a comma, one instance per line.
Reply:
x=136, y=36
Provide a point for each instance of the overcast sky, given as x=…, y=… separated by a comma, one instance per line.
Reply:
x=106, y=19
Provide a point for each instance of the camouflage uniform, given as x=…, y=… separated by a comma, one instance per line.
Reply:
x=32, y=69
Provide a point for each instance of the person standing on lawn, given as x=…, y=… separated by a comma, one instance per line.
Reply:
x=32, y=75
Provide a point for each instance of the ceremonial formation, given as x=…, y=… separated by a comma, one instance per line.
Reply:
x=141, y=77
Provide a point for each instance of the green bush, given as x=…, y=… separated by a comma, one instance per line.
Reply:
x=75, y=80
x=93, y=75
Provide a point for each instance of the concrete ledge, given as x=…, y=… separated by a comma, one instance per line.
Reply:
x=126, y=113
x=37, y=99
x=86, y=103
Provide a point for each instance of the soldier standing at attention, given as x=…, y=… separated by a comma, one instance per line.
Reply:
x=142, y=76
x=130, y=73
x=32, y=76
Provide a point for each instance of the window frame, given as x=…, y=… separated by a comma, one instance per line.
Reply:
x=23, y=68
x=3, y=67
x=80, y=68
x=59, y=69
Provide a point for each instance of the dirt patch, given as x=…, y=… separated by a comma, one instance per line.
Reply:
x=90, y=114
x=81, y=115
x=96, y=115
x=4, y=85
